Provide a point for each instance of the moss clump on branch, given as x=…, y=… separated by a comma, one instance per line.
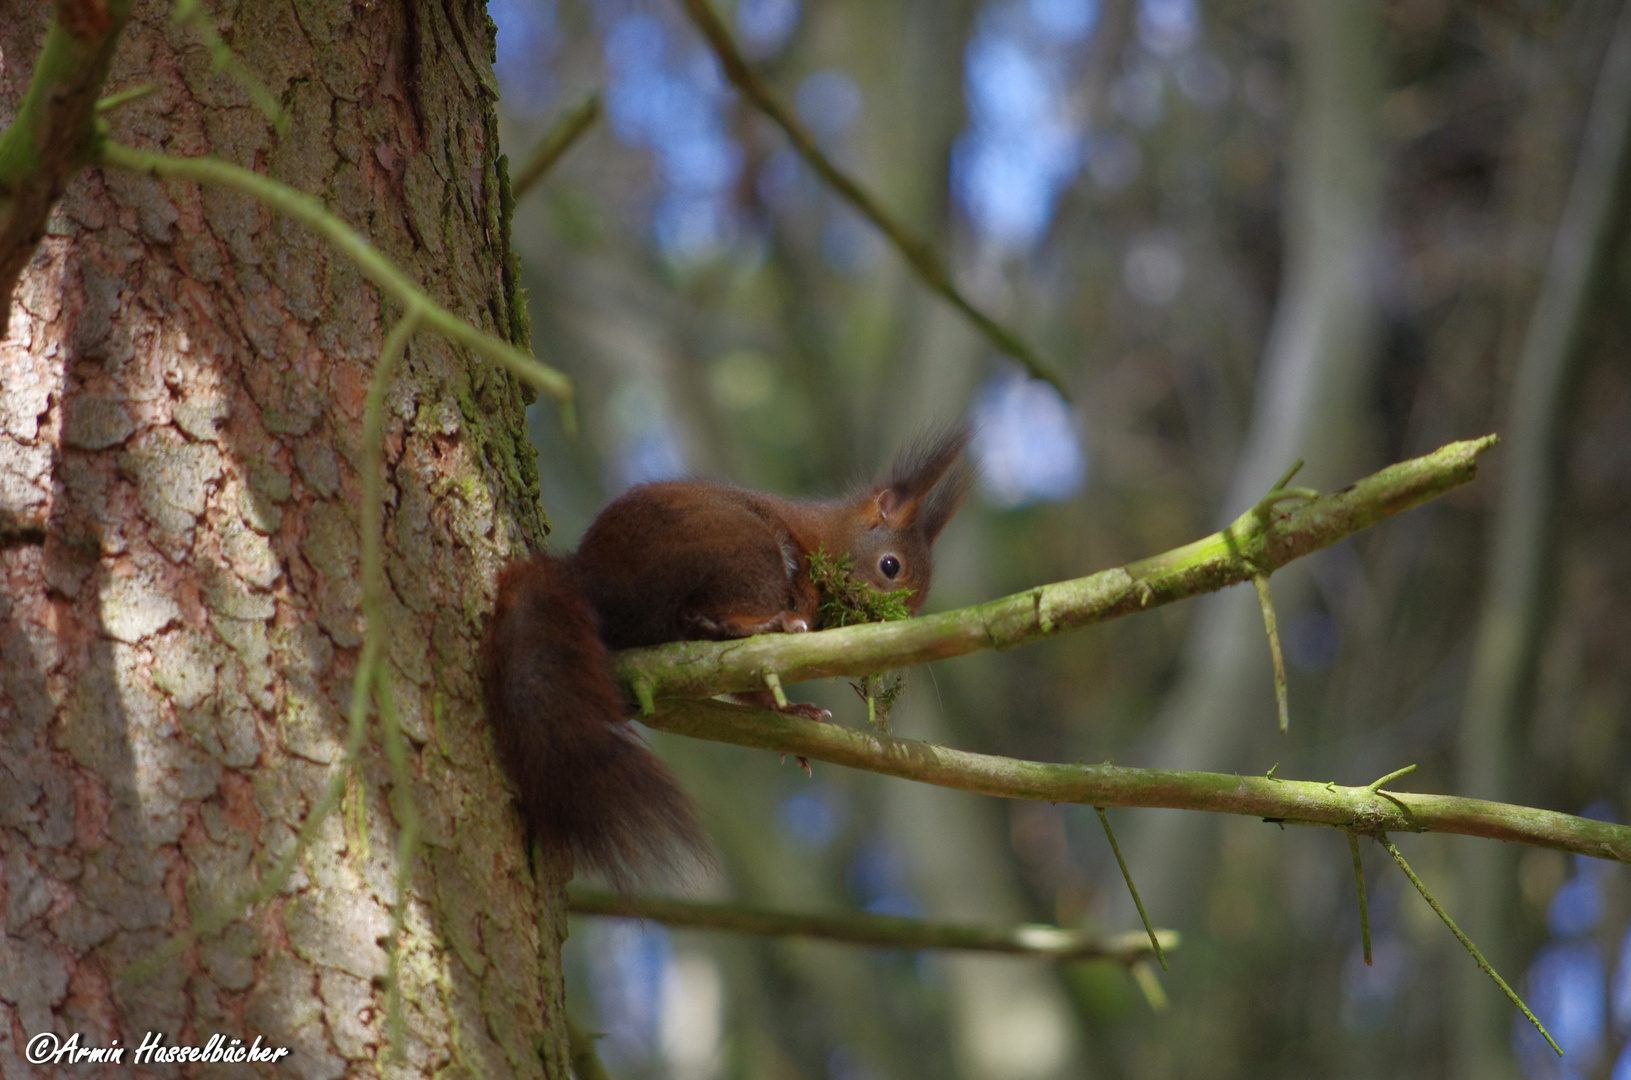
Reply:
x=846, y=599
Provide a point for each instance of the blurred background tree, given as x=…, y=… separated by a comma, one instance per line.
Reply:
x=1244, y=232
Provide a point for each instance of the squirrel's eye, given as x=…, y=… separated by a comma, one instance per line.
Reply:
x=890, y=566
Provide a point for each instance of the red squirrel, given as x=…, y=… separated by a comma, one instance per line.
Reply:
x=672, y=561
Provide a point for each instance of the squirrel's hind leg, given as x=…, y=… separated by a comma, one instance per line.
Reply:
x=764, y=699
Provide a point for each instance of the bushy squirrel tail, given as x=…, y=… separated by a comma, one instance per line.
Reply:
x=587, y=781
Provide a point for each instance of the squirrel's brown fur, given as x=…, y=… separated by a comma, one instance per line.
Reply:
x=667, y=562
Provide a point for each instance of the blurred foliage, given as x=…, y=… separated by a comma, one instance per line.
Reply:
x=725, y=315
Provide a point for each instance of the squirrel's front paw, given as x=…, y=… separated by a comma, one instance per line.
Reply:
x=807, y=710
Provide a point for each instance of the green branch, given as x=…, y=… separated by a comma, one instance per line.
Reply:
x=1293, y=802
x=882, y=931
x=47, y=141
x=560, y=138
x=1259, y=542
x=312, y=214
x=918, y=255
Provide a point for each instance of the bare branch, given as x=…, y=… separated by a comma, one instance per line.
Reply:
x=560, y=138
x=918, y=255
x=883, y=931
x=1293, y=802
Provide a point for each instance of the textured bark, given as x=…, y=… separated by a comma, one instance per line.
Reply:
x=181, y=393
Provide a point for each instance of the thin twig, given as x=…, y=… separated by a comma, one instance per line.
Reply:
x=865, y=928
x=124, y=97
x=1359, y=882
x=1127, y=876
x=191, y=13
x=1265, y=598
x=1466, y=941
x=586, y=1063
x=353, y=812
x=1376, y=785
x=1275, y=498
x=1271, y=626
x=1145, y=978
x=372, y=670
x=311, y=213
x=774, y=681
x=1280, y=485
x=407, y=856
x=918, y=255
x=1280, y=492
x=560, y=138
x=373, y=480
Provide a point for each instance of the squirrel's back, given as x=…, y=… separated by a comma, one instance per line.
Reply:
x=674, y=560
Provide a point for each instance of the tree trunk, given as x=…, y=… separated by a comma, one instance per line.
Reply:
x=181, y=394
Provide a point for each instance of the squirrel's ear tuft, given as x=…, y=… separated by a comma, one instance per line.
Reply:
x=944, y=499
x=926, y=482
